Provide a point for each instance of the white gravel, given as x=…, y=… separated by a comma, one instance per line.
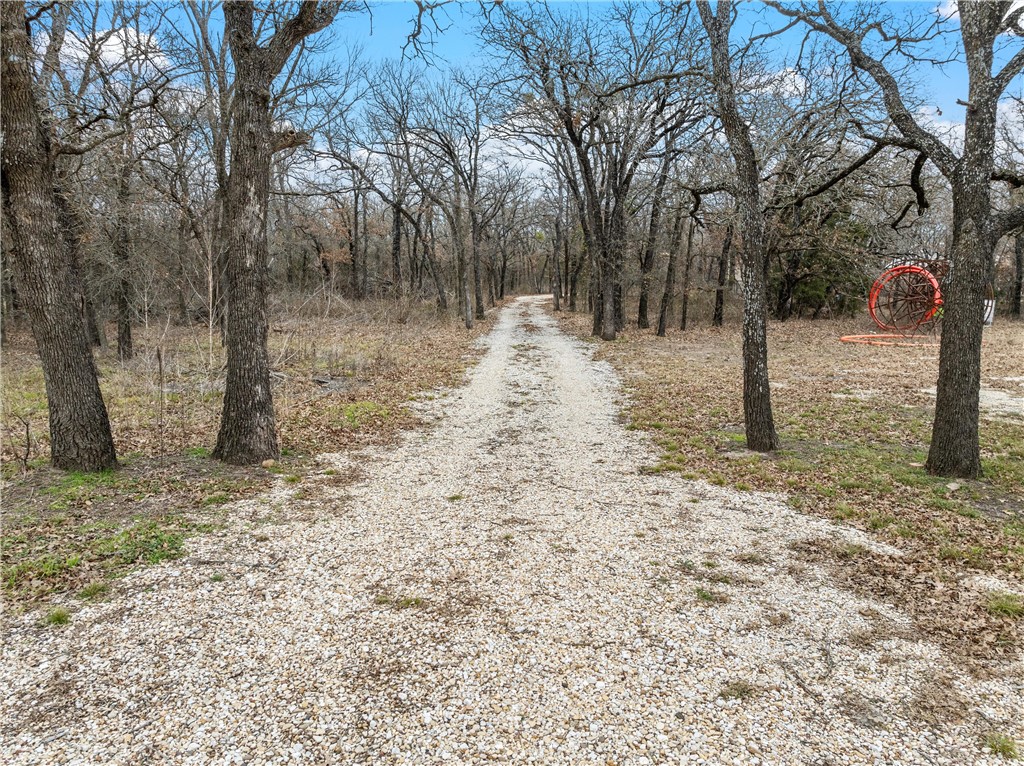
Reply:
x=504, y=586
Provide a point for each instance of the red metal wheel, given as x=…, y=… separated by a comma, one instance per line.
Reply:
x=905, y=298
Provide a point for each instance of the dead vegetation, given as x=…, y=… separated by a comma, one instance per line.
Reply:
x=854, y=421
x=344, y=377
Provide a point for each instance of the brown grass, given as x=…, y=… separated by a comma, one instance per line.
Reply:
x=343, y=377
x=338, y=380
x=854, y=422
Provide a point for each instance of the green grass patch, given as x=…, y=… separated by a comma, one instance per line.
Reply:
x=710, y=596
x=94, y=590
x=844, y=511
x=57, y=617
x=738, y=690
x=147, y=542
x=398, y=602
x=1005, y=605
x=877, y=521
x=973, y=556
x=42, y=568
x=1001, y=744
x=360, y=413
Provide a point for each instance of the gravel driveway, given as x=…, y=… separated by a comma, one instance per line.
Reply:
x=503, y=586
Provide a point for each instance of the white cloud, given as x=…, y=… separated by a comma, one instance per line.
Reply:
x=949, y=9
x=115, y=50
x=785, y=83
x=951, y=131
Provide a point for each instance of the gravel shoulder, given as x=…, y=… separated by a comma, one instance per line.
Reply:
x=503, y=585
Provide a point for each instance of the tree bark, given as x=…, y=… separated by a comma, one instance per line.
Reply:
x=247, y=428
x=574, y=275
x=123, y=254
x=647, y=262
x=955, y=449
x=556, y=254
x=355, y=283
x=757, y=404
x=1018, y=278
x=478, y=288
x=723, y=260
x=670, y=274
x=72, y=230
x=687, y=268
x=435, y=273
x=364, y=258
x=611, y=244
x=396, y=246
x=80, y=436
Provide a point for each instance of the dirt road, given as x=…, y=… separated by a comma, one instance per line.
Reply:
x=506, y=585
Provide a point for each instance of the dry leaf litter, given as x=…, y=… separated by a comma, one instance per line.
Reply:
x=504, y=586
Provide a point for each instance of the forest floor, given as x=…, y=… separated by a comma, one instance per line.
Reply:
x=854, y=421
x=344, y=377
x=526, y=577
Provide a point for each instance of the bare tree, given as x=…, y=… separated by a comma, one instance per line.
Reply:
x=653, y=232
x=977, y=226
x=611, y=94
x=757, y=403
x=682, y=219
x=247, y=431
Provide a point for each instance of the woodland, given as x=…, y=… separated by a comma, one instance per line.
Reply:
x=212, y=166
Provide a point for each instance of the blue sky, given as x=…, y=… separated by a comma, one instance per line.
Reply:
x=383, y=33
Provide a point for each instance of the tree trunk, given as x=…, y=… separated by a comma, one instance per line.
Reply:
x=247, y=429
x=1018, y=279
x=611, y=246
x=123, y=254
x=757, y=403
x=784, y=297
x=80, y=436
x=467, y=297
x=396, y=247
x=567, y=278
x=435, y=275
x=218, y=271
x=182, y=249
x=556, y=253
x=462, y=272
x=93, y=327
x=647, y=262
x=955, y=449
x=415, y=259
x=478, y=288
x=574, y=277
x=364, y=257
x=353, y=248
x=607, y=300
x=670, y=274
x=72, y=230
x=723, y=260
x=687, y=270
